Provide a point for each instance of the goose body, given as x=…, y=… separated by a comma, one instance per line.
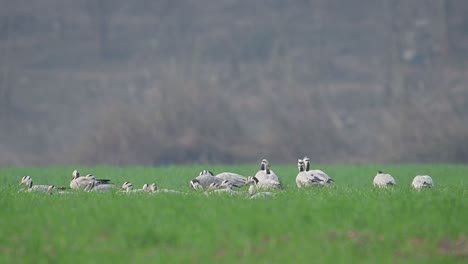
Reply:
x=304, y=179
x=153, y=188
x=80, y=183
x=236, y=180
x=253, y=194
x=264, y=184
x=320, y=176
x=382, y=180
x=422, y=181
x=27, y=180
x=127, y=187
x=204, y=180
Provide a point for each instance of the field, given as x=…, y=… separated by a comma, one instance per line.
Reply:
x=350, y=222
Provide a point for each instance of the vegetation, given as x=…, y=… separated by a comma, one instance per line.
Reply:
x=350, y=222
x=221, y=81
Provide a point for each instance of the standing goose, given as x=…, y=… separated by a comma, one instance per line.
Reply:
x=203, y=180
x=304, y=179
x=253, y=194
x=382, y=180
x=422, y=181
x=236, y=180
x=323, y=178
x=27, y=180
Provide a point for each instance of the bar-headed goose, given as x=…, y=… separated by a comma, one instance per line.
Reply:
x=27, y=180
x=236, y=180
x=304, y=179
x=323, y=178
x=203, y=180
x=382, y=180
x=422, y=181
x=253, y=194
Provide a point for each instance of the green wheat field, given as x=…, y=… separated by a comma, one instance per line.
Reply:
x=350, y=222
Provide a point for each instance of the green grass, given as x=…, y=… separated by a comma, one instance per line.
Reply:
x=350, y=222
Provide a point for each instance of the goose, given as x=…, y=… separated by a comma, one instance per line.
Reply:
x=27, y=180
x=203, y=180
x=93, y=187
x=382, y=180
x=153, y=188
x=323, y=178
x=304, y=179
x=253, y=194
x=127, y=187
x=235, y=179
x=265, y=173
x=59, y=190
x=80, y=183
x=264, y=184
x=422, y=181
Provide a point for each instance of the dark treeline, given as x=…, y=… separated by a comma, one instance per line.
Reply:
x=159, y=82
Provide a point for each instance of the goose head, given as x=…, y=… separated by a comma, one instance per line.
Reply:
x=195, y=184
x=153, y=187
x=75, y=174
x=126, y=187
x=26, y=180
x=300, y=165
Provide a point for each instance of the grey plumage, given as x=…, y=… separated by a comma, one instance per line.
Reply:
x=27, y=180
x=80, y=183
x=203, y=180
x=236, y=180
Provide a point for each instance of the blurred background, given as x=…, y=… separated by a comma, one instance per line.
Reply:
x=230, y=81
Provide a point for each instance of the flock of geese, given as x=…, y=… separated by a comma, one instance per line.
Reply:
x=225, y=182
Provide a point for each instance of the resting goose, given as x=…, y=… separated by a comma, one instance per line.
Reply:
x=153, y=188
x=304, y=179
x=127, y=187
x=80, y=183
x=236, y=180
x=265, y=173
x=323, y=178
x=27, y=180
x=203, y=180
x=264, y=184
x=93, y=187
x=253, y=194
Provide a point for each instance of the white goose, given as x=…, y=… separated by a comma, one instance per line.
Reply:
x=422, y=181
x=382, y=180
x=304, y=179
x=27, y=180
x=323, y=178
